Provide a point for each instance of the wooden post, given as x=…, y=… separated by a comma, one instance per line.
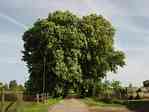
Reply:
x=47, y=96
x=120, y=95
x=37, y=98
x=3, y=100
x=42, y=97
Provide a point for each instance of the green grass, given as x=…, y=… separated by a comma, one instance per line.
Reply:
x=32, y=106
x=100, y=103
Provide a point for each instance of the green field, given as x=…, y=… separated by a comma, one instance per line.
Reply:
x=31, y=106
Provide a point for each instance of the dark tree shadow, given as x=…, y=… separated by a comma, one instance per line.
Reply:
x=133, y=105
x=138, y=105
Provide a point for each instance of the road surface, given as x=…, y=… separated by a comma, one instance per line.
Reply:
x=70, y=105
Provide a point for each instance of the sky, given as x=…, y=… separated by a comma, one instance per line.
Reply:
x=129, y=17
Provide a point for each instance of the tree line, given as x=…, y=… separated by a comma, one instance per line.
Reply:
x=12, y=86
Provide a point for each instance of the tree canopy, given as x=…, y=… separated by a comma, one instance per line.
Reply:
x=73, y=52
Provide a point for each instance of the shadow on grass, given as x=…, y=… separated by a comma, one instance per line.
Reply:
x=131, y=105
x=138, y=105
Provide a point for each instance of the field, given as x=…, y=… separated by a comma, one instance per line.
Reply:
x=31, y=106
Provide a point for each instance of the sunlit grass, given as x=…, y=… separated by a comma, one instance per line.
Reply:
x=32, y=106
x=95, y=102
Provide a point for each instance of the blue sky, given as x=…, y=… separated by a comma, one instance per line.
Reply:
x=129, y=17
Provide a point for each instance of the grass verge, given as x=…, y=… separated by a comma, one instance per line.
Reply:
x=32, y=106
x=101, y=103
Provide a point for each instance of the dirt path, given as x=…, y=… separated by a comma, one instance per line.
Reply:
x=70, y=105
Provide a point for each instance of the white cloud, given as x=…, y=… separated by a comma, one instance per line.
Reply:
x=12, y=20
x=131, y=7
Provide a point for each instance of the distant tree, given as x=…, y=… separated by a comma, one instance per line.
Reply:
x=130, y=85
x=6, y=87
x=13, y=85
x=1, y=85
x=70, y=51
x=146, y=83
x=20, y=87
x=117, y=88
x=116, y=85
x=108, y=89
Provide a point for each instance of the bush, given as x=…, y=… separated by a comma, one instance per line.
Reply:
x=9, y=97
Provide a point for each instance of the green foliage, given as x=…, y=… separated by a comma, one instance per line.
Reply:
x=13, y=85
x=1, y=83
x=116, y=85
x=79, y=52
x=6, y=87
x=20, y=88
x=95, y=102
x=146, y=83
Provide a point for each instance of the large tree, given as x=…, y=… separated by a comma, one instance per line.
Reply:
x=73, y=52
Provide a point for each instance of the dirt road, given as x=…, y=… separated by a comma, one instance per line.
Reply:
x=70, y=105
